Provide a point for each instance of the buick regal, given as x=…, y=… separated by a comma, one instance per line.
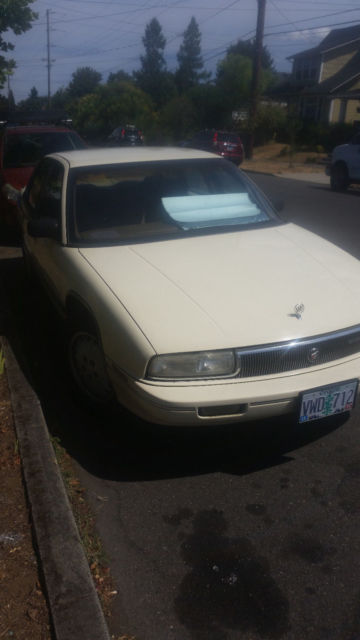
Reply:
x=188, y=300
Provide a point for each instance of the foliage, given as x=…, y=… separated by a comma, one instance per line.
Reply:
x=119, y=76
x=60, y=100
x=270, y=120
x=247, y=48
x=96, y=115
x=311, y=135
x=153, y=78
x=33, y=102
x=15, y=15
x=4, y=105
x=209, y=107
x=177, y=118
x=191, y=67
x=84, y=81
x=233, y=79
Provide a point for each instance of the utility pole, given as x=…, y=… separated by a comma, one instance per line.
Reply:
x=48, y=60
x=254, y=90
x=48, y=56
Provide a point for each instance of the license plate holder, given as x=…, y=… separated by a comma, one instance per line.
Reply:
x=327, y=401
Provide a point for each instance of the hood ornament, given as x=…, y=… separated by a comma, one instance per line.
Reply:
x=298, y=311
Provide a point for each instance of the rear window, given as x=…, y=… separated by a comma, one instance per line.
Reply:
x=26, y=149
x=228, y=137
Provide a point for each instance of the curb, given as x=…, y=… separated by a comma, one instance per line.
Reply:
x=74, y=605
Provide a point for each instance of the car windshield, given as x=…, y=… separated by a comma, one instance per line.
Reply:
x=26, y=149
x=111, y=204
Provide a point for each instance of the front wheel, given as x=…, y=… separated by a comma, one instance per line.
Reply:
x=339, y=179
x=87, y=364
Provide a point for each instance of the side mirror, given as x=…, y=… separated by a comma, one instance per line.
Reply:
x=44, y=228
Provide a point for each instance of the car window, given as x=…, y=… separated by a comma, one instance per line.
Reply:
x=45, y=189
x=113, y=204
x=26, y=149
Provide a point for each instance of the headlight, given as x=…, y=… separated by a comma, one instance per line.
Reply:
x=201, y=364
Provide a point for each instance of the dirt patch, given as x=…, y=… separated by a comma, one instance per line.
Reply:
x=24, y=612
x=276, y=158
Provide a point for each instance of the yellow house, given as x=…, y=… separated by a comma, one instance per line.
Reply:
x=325, y=81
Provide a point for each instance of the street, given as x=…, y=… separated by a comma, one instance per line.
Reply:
x=244, y=532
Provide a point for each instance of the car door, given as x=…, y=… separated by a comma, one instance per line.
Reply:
x=354, y=157
x=43, y=199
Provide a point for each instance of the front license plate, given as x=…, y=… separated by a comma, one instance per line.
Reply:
x=326, y=401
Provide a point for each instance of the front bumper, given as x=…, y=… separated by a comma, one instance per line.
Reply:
x=221, y=402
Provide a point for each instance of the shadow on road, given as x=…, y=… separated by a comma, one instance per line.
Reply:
x=118, y=446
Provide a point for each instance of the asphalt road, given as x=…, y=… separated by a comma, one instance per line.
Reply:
x=237, y=533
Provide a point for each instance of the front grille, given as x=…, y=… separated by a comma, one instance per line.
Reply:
x=298, y=354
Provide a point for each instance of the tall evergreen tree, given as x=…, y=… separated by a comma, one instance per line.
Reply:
x=153, y=62
x=153, y=78
x=190, y=70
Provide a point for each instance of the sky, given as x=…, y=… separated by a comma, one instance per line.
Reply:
x=106, y=35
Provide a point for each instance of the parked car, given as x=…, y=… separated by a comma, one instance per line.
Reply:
x=127, y=136
x=187, y=299
x=224, y=143
x=344, y=165
x=24, y=139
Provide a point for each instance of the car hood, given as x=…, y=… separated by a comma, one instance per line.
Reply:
x=232, y=289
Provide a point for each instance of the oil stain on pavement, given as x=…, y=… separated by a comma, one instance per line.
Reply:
x=229, y=586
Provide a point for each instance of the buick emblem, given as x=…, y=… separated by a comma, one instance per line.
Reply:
x=299, y=310
x=313, y=354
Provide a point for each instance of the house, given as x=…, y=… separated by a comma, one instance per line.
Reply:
x=325, y=82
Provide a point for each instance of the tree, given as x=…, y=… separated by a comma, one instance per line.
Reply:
x=153, y=78
x=60, y=99
x=177, y=119
x=210, y=109
x=190, y=70
x=233, y=79
x=15, y=15
x=119, y=76
x=247, y=48
x=95, y=115
x=33, y=102
x=84, y=81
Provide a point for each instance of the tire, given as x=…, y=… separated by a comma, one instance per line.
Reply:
x=88, y=368
x=339, y=177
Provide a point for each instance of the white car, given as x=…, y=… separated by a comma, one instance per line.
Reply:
x=188, y=299
x=344, y=165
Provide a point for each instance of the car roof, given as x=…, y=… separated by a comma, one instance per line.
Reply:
x=16, y=129
x=100, y=156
